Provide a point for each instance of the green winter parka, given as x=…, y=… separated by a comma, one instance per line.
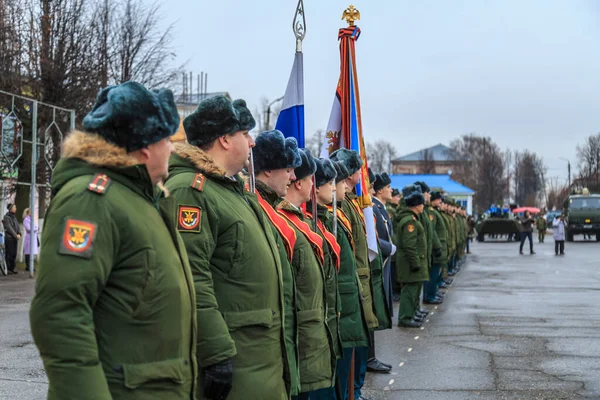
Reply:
x=354, y=331
x=237, y=272
x=316, y=351
x=412, y=248
x=114, y=313
x=441, y=234
x=289, y=295
x=425, y=220
x=361, y=253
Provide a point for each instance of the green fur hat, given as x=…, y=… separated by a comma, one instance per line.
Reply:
x=424, y=187
x=341, y=170
x=273, y=151
x=216, y=117
x=325, y=171
x=132, y=117
x=413, y=195
x=350, y=158
x=382, y=181
x=308, y=166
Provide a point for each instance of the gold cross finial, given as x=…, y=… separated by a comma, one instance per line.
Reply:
x=351, y=14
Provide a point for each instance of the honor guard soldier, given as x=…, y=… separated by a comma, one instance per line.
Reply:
x=411, y=258
x=114, y=313
x=275, y=159
x=440, y=258
x=233, y=255
x=315, y=344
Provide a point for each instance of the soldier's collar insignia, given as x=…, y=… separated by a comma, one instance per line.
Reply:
x=78, y=238
x=188, y=219
x=411, y=228
x=99, y=184
x=198, y=182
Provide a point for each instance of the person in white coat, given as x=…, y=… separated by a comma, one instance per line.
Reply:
x=558, y=227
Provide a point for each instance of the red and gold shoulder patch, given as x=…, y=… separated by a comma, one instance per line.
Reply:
x=431, y=217
x=198, y=182
x=411, y=228
x=99, y=184
x=78, y=238
x=188, y=219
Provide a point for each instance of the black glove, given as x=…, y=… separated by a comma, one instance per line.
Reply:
x=218, y=380
x=437, y=253
x=414, y=268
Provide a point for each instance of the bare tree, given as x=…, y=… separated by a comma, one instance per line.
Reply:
x=380, y=155
x=427, y=162
x=315, y=142
x=529, y=171
x=556, y=194
x=588, y=156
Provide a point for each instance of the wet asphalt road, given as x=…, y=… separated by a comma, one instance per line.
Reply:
x=511, y=327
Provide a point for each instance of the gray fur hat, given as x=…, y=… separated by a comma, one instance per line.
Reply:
x=424, y=187
x=216, y=117
x=273, y=151
x=308, y=166
x=325, y=171
x=412, y=196
x=350, y=158
x=382, y=181
x=341, y=170
x=133, y=117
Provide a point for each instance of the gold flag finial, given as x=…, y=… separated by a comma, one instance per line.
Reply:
x=351, y=14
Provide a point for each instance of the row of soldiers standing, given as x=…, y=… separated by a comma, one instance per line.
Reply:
x=214, y=292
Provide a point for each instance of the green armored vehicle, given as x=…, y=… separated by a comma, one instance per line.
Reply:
x=583, y=215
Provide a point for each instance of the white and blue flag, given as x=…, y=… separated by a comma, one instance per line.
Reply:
x=291, y=117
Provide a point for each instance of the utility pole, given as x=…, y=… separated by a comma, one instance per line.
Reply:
x=268, y=118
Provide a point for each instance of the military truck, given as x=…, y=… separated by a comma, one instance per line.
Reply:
x=583, y=215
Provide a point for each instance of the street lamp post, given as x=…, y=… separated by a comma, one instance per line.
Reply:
x=568, y=168
x=268, y=124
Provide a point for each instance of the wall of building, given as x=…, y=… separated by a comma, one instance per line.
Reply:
x=415, y=167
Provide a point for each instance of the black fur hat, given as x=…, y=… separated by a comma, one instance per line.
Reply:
x=308, y=166
x=216, y=117
x=273, y=151
x=325, y=171
x=382, y=181
x=424, y=187
x=372, y=176
x=395, y=192
x=436, y=195
x=341, y=170
x=412, y=198
x=408, y=189
x=133, y=117
x=350, y=158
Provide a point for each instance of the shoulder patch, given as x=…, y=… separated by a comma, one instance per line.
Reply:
x=78, y=238
x=431, y=217
x=411, y=228
x=198, y=182
x=99, y=184
x=188, y=219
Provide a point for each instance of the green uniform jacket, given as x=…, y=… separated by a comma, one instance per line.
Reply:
x=315, y=342
x=441, y=233
x=289, y=296
x=334, y=303
x=455, y=233
x=381, y=309
x=425, y=220
x=361, y=253
x=451, y=237
x=412, y=248
x=541, y=224
x=238, y=275
x=114, y=313
x=354, y=331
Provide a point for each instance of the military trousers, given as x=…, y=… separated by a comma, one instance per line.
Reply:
x=342, y=377
x=361, y=356
x=409, y=301
x=431, y=287
x=541, y=236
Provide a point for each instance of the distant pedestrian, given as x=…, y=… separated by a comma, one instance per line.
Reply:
x=542, y=225
x=471, y=232
x=30, y=229
x=12, y=234
x=527, y=233
x=558, y=228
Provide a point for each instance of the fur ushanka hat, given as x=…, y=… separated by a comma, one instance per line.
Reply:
x=382, y=181
x=273, y=151
x=308, y=166
x=413, y=196
x=350, y=158
x=341, y=170
x=325, y=171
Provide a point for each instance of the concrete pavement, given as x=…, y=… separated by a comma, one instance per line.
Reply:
x=511, y=327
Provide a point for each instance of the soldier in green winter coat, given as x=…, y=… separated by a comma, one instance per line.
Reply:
x=353, y=325
x=351, y=208
x=440, y=257
x=275, y=159
x=315, y=340
x=114, y=313
x=542, y=226
x=233, y=255
x=411, y=256
x=444, y=280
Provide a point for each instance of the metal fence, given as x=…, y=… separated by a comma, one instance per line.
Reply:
x=30, y=129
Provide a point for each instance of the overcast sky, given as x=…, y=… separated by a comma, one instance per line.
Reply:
x=524, y=72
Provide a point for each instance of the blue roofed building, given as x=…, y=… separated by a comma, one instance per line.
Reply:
x=442, y=182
